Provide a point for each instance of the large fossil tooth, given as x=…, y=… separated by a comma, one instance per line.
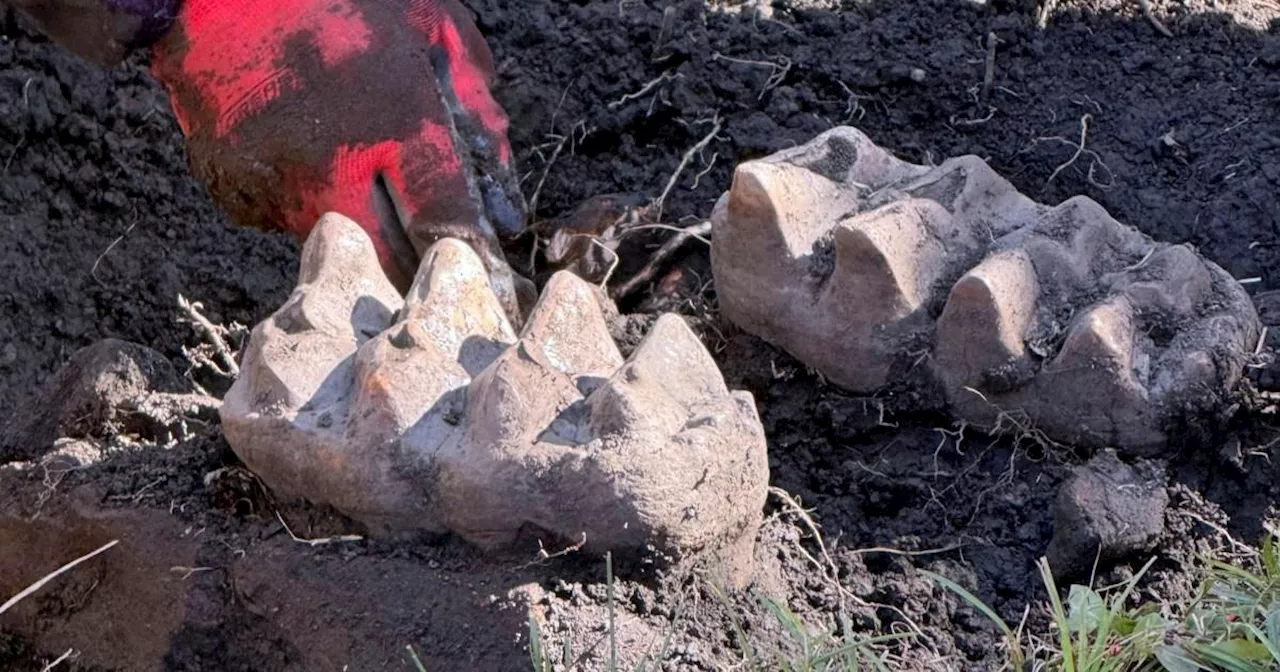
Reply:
x=445, y=420
x=983, y=305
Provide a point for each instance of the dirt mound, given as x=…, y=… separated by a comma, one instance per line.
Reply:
x=104, y=227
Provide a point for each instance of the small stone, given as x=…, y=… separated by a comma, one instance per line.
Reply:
x=1106, y=510
x=91, y=395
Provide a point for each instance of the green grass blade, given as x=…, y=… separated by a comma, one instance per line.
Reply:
x=536, y=655
x=1177, y=659
x=1015, y=647
x=1264, y=639
x=1236, y=655
x=1059, y=616
x=1272, y=624
x=1232, y=572
x=413, y=655
x=788, y=620
x=566, y=651
x=1270, y=557
x=739, y=634
x=971, y=599
x=1085, y=610
x=613, y=630
x=1097, y=651
x=854, y=648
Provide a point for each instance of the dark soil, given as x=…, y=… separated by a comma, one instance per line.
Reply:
x=103, y=227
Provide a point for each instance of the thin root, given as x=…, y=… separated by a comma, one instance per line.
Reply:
x=58, y=661
x=543, y=556
x=668, y=248
x=780, y=70
x=212, y=334
x=341, y=538
x=649, y=86
x=656, y=207
x=93, y=271
x=26, y=592
x=613, y=265
x=1095, y=162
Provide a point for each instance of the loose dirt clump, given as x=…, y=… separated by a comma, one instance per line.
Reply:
x=104, y=228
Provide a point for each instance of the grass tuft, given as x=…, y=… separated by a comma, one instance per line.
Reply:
x=1232, y=626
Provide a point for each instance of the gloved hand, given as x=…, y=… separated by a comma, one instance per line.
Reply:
x=376, y=109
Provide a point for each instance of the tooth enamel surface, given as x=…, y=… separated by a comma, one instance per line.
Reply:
x=948, y=282
x=447, y=420
x=981, y=332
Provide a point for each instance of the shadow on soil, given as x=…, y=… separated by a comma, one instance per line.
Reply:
x=105, y=227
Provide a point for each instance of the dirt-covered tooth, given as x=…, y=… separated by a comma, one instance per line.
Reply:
x=1076, y=242
x=975, y=194
x=338, y=248
x=886, y=261
x=764, y=231
x=568, y=324
x=341, y=300
x=667, y=374
x=288, y=404
x=1093, y=376
x=690, y=455
x=1180, y=283
x=1101, y=337
x=982, y=327
x=453, y=302
x=1202, y=360
x=517, y=396
x=776, y=211
x=672, y=357
x=403, y=380
x=847, y=156
x=494, y=481
x=341, y=286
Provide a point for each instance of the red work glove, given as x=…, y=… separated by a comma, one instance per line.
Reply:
x=376, y=109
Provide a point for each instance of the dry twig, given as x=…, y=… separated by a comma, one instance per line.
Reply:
x=989, y=73
x=212, y=334
x=58, y=661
